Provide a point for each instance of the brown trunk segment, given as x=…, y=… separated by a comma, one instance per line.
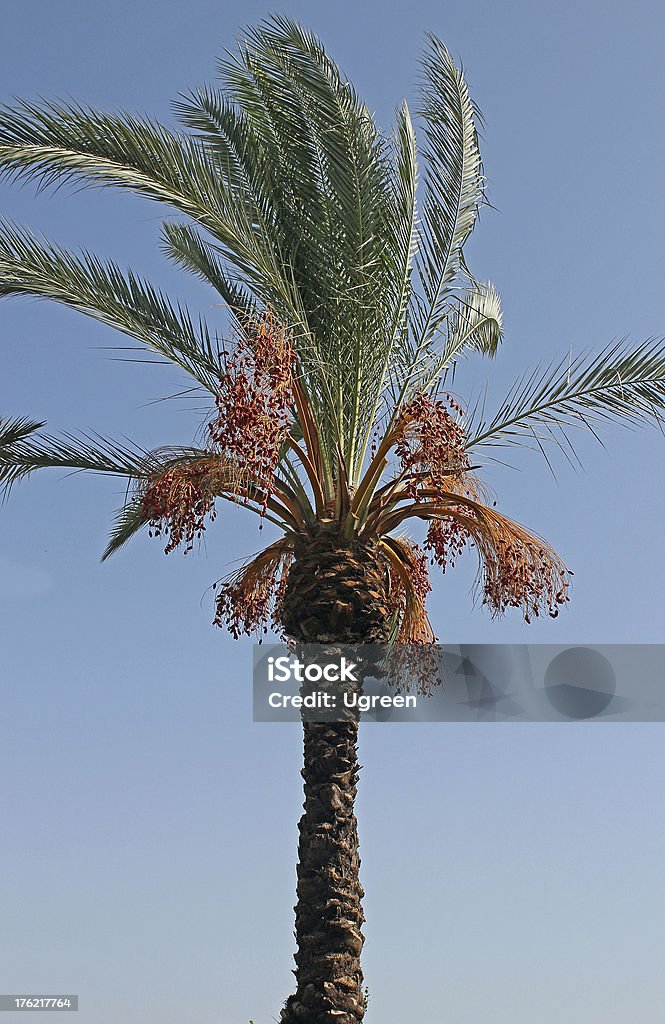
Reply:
x=329, y=913
x=336, y=591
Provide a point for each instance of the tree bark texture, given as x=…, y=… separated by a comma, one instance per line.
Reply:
x=336, y=592
x=329, y=913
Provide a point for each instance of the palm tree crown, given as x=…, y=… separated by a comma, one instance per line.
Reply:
x=351, y=303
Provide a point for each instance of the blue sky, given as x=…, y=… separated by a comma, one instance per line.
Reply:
x=150, y=826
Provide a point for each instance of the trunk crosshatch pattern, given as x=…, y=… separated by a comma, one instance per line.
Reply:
x=335, y=590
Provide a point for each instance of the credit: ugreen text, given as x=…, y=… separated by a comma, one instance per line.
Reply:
x=361, y=701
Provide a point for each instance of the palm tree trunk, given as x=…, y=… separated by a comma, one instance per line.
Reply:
x=336, y=592
x=329, y=913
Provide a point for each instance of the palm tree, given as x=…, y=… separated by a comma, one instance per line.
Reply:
x=330, y=416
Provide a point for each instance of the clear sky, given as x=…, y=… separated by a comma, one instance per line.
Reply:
x=513, y=872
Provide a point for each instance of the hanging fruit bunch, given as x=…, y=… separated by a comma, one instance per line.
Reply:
x=244, y=440
x=254, y=403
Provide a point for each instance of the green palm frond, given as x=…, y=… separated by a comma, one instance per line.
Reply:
x=24, y=456
x=244, y=160
x=99, y=289
x=404, y=183
x=52, y=142
x=55, y=142
x=262, y=131
x=252, y=168
x=94, y=453
x=185, y=245
x=127, y=522
x=621, y=383
x=302, y=89
x=453, y=187
x=397, y=369
x=15, y=430
x=476, y=322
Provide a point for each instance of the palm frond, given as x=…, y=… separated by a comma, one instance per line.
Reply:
x=128, y=521
x=401, y=236
x=453, y=187
x=25, y=455
x=246, y=164
x=52, y=142
x=341, y=209
x=621, y=383
x=99, y=289
x=90, y=452
x=186, y=246
x=15, y=430
x=476, y=322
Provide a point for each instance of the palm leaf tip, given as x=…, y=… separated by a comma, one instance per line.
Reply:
x=13, y=430
x=478, y=320
x=128, y=521
x=13, y=437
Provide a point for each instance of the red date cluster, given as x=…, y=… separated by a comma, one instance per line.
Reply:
x=446, y=540
x=525, y=576
x=519, y=571
x=253, y=415
x=432, y=451
x=432, y=443
x=176, y=504
x=249, y=601
x=254, y=402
